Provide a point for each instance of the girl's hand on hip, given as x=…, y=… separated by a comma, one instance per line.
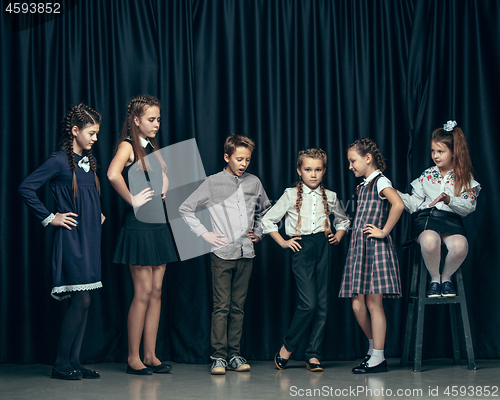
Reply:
x=103, y=218
x=142, y=197
x=65, y=220
x=335, y=238
x=374, y=232
x=292, y=244
x=253, y=237
x=442, y=197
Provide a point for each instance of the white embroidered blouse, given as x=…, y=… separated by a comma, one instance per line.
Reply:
x=431, y=184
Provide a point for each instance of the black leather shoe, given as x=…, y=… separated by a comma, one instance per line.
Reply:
x=143, y=371
x=313, y=367
x=362, y=364
x=162, y=368
x=382, y=367
x=67, y=376
x=434, y=290
x=280, y=361
x=89, y=374
x=447, y=289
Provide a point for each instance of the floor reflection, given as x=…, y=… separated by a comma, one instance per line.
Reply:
x=144, y=388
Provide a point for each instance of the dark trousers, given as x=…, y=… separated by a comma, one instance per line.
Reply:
x=230, y=286
x=311, y=268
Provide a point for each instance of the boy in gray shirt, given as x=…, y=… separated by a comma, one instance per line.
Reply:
x=236, y=201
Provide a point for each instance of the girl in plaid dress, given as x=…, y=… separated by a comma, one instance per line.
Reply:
x=372, y=271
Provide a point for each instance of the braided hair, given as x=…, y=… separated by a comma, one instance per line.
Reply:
x=317, y=154
x=366, y=146
x=79, y=116
x=136, y=109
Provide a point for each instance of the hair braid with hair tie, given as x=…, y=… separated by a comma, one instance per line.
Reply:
x=364, y=146
x=327, y=211
x=94, y=170
x=298, y=204
x=80, y=116
x=318, y=154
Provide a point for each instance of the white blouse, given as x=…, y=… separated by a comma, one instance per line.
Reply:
x=431, y=184
x=382, y=183
x=312, y=212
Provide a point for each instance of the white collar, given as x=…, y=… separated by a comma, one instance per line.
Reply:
x=145, y=142
x=371, y=177
x=306, y=189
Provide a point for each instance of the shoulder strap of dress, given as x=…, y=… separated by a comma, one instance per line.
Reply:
x=129, y=140
x=374, y=181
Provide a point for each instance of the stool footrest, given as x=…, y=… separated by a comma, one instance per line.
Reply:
x=459, y=316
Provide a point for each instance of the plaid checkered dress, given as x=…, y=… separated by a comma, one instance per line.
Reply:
x=372, y=265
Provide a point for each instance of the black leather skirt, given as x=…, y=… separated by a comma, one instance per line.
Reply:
x=439, y=221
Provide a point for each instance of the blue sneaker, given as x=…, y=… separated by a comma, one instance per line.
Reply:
x=447, y=289
x=434, y=290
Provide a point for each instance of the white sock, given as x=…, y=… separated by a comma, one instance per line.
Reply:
x=376, y=358
x=370, y=347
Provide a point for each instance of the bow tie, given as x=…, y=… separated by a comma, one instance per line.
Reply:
x=84, y=164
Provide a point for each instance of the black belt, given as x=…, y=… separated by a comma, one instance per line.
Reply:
x=434, y=212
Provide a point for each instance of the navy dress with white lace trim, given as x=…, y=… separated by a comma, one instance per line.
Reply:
x=76, y=254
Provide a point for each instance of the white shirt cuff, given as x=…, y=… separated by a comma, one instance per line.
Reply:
x=48, y=220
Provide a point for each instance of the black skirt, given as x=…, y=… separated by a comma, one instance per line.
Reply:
x=141, y=243
x=438, y=221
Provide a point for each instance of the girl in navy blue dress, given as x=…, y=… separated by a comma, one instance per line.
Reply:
x=144, y=243
x=76, y=257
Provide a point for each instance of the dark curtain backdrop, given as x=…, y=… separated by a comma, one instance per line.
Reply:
x=291, y=75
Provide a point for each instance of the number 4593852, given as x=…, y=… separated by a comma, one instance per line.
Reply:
x=34, y=8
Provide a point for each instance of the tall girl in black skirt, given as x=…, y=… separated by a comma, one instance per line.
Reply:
x=442, y=195
x=76, y=255
x=144, y=242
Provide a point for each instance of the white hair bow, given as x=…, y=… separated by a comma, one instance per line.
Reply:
x=448, y=127
x=84, y=164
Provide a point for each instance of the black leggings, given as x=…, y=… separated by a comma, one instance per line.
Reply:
x=72, y=330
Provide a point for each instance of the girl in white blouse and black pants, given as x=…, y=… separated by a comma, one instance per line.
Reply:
x=442, y=195
x=306, y=208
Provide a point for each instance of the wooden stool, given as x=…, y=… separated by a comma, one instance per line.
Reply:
x=415, y=329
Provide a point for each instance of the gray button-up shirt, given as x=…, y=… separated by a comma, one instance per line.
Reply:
x=236, y=205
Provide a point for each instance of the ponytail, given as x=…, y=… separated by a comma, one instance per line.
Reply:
x=462, y=165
